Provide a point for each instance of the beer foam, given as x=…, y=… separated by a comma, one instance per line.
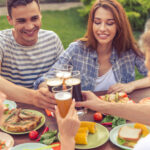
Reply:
x=72, y=81
x=63, y=74
x=54, y=82
x=63, y=96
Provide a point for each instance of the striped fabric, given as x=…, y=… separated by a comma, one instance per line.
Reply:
x=22, y=65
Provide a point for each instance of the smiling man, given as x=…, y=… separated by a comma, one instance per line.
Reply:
x=26, y=52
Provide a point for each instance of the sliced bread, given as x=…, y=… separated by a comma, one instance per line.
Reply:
x=129, y=133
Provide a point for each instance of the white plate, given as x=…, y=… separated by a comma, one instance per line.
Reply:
x=31, y=146
x=7, y=138
x=114, y=134
x=11, y=104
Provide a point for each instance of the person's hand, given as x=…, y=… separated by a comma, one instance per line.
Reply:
x=90, y=100
x=2, y=98
x=121, y=87
x=43, y=98
x=69, y=125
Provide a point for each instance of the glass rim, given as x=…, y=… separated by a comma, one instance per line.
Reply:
x=62, y=90
x=61, y=68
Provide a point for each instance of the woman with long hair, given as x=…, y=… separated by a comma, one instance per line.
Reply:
x=107, y=54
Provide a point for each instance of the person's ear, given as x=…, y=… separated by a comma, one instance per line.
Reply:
x=10, y=20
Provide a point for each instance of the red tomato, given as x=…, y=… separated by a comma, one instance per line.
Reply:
x=33, y=135
x=98, y=116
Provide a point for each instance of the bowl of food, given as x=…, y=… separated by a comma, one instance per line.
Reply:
x=6, y=141
x=119, y=97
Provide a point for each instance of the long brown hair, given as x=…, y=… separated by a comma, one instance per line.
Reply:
x=124, y=39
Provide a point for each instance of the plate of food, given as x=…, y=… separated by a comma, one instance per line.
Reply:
x=127, y=135
x=119, y=97
x=9, y=105
x=145, y=100
x=22, y=121
x=90, y=135
x=6, y=141
x=31, y=146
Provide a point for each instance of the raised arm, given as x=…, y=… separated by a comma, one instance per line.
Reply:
x=134, y=112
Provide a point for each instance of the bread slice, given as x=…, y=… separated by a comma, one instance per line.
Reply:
x=129, y=133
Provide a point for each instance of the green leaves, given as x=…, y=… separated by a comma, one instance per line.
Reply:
x=49, y=137
x=137, y=11
x=121, y=141
x=116, y=121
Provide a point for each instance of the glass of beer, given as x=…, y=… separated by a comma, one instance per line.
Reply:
x=75, y=82
x=64, y=71
x=52, y=81
x=63, y=98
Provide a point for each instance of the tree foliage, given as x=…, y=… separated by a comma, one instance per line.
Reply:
x=138, y=11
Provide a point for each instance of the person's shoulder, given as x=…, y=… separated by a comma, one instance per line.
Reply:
x=6, y=32
x=6, y=36
x=129, y=52
x=77, y=45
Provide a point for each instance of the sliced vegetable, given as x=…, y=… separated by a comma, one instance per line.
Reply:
x=117, y=97
x=49, y=134
x=48, y=112
x=49, y=137
x=56, y=147
x=114, y=120
x=44, y=131
x=107, y=123
x=49, y=140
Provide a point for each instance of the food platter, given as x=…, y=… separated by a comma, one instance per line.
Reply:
x=8, y=139
x=114, y=134
x=95, y=140
x=119, y=97
x=37, y=127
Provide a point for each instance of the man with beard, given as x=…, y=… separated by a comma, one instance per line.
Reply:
x=26, y=51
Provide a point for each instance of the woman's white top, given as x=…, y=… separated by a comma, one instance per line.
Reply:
x=105, y=81
x=143, y=143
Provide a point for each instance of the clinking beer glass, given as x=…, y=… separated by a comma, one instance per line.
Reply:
x=63, y=98
x=63, y=72
x=52, y=81
x=75, y=82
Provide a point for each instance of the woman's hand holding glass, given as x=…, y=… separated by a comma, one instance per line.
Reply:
x=70, y=123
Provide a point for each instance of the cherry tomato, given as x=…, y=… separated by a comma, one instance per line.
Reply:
x=98, y=116
x=33, y=135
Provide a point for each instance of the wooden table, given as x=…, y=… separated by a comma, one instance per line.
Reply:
x=51, y=122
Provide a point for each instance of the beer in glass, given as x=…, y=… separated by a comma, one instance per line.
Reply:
x=75, y=82
x=63, y=99
x=63, y=71
x=52, y=82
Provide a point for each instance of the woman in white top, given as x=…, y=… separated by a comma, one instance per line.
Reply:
x=134, y=112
